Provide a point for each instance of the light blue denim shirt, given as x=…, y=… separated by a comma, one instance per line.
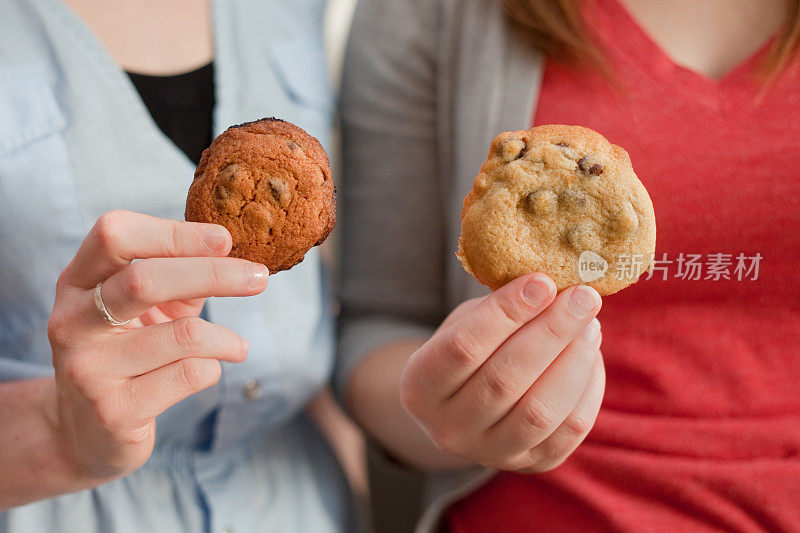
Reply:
x=76, y=141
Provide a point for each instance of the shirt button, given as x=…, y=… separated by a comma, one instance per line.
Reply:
x=252, y=390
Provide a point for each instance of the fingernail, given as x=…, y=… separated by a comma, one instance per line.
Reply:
x=256, y=275
x=582, y=300
x=592, y=330
x=215, y=238
x=245, y=345
x=537, y=290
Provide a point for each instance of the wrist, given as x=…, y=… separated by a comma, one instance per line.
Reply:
x=60, y=453
x=34, y=459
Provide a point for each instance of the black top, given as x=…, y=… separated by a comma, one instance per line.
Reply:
x=182, y=106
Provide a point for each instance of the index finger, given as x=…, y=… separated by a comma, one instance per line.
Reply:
x=461, y=348
x=119, y=237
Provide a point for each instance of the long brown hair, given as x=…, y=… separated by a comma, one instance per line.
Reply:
x=557, y=29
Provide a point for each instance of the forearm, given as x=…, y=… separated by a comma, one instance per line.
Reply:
x=33, y=463
x=373, y=398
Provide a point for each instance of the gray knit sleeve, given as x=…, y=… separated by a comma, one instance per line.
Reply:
x=392, y=216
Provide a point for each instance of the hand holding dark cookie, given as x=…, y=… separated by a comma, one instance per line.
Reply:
x=111, y=381
x=269, y=183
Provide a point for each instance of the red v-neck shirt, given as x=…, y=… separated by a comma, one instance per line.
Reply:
x=700, y=425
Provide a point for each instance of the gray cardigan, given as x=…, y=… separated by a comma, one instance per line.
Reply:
x=426, y=85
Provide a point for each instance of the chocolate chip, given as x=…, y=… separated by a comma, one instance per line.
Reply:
x=222, y=193
x=513, y=149
x=573, y=198
x=257, y=217
x=228, y=173
x=562, y=144
x=292, y=145
x=581, y=238
x=481, y=183
x=625, y=222
x=542, y=202
x=278, y=191
x=568, y=151
x=227, y=182
x=588, y=165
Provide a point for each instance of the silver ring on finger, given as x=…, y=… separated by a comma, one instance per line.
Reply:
x=103, y=310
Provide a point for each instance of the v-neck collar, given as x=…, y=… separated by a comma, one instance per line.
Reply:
x=652, y=58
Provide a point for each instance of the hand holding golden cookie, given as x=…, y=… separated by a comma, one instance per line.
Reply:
x=514, y=380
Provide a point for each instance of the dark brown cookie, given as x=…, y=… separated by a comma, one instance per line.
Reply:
x=269, y=182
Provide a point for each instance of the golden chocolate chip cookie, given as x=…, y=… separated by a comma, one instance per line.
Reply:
x=268, y=182
x=560, y=200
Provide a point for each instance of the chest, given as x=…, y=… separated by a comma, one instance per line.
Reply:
x=177, y=34
x=708, y=36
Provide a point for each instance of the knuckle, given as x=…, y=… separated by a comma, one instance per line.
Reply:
x=189, y=375
x=107, y=414
x=497, y=383
x=588, y=354
x=107, y=228
x=552, y=331
x=410, y=398
x=551, y=465
x=536, y=416
x=553, y=450
x=540, y=464
x=216, y=273
x=61, y=282
x=188, y=332
x=582, y=354
x=215, y=372
x=578, y=425
x=549, y=456
x=176, y=238
x=138, y=282
x=74, y=371
x=58, y=327
x=513, y=464
x=540, y=459
x=460, y=346
x=508, y=307
x=446, y=439
x=240, y=347
x=527, y=469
